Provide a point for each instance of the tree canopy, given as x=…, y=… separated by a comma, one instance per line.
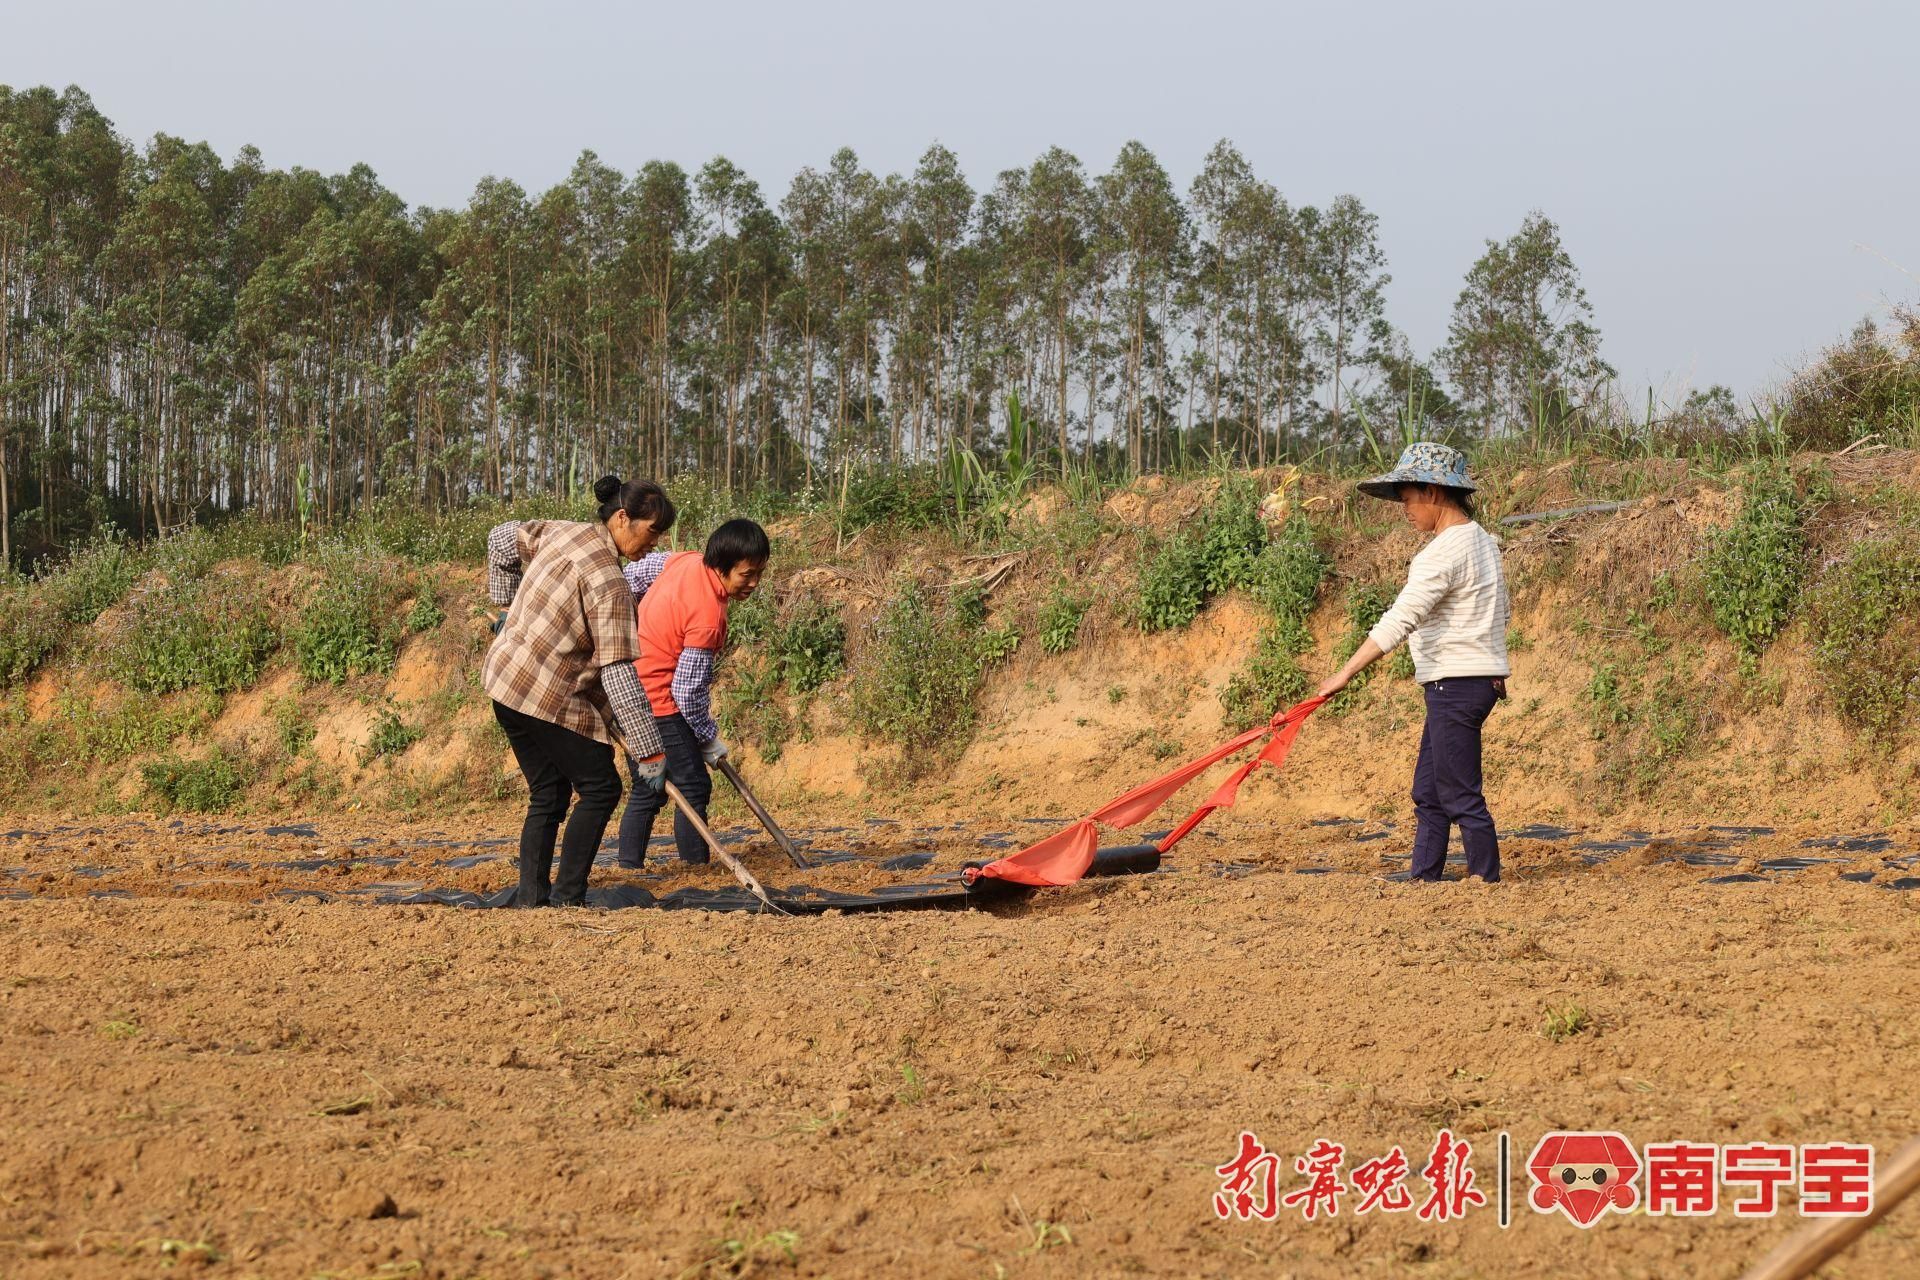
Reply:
x=181, y=336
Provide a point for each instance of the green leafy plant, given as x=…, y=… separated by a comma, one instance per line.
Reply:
x=901, y=498
x=212, y=633
x=810, y=646
x=1271, y=680
x=295, y=728
x=195, y=786
x=1643, y=703
x=1187, y=570
x=1060, y=620
x=1753, y=570
x=925, y=661
x=737, y=1255
x=348, y=627
x=390, y=736
x=36, y=616
x=753, y=619
x=426, y=613
x=996, y=644
x=1231, y=535
x=1285, y=577
x=751, y=708
x=1862, y=619
x=138, y=722
x=1285, y=581
x=1173, y=585
x=1367, y=603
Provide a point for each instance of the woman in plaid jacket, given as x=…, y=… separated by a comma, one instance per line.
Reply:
x=560, y=673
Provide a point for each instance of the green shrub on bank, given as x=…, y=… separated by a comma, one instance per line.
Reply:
x=753, y=619
x=1231, y=535
x=400, y=526
x=1272, y=679
x=1367, y=603
x=1753, y=570
x=426, y=613
x=1862, y=619
x=809, y=646
x=137, y=723
x=1188, y=569
x=36, y=615
x=1060, y=620
x=1649, y=713
x=1173, y=585
x=390, y=736
x=194, y=786
x=1868, y=385
x=350, y=626
x=899, y=497
x=798, y=652
x=1285, y=581
x=212, y=633
x=751, y=708
x=1286, y=576
x=926, y=659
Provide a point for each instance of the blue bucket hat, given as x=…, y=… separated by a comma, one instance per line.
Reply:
x=1421, y=463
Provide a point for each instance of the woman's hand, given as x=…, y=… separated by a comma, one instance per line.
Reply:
x=1364, y=657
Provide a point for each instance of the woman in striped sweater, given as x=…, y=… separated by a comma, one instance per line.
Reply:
x=1453, y=613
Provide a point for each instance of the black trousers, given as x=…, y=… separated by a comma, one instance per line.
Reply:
x=685, y=770
x=1446, y=781
x=558, y=764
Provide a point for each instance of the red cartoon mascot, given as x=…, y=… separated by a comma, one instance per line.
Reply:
x=1584, y=1175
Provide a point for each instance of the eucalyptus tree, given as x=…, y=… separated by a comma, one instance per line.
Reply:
x=1522, y=342
x=179, y=336
x=938, y=220
x=167, y=305
x=1349, y=284
x=806, y=308
x=659, y=270
x=1255, y=290
x=17, y=218
x=1047, y=211
x=1152, y=239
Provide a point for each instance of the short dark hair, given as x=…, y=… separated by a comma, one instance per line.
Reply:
x=640, y=499
x=734, y=541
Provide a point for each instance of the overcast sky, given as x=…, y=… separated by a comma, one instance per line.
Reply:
x=1738, y=183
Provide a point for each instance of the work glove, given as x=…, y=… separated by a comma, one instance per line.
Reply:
x=714, y=752
x=651, y=773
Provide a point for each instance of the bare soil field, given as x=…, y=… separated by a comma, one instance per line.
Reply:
x=214, y=1064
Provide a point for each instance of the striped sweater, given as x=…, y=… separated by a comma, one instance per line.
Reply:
x=1453, y=611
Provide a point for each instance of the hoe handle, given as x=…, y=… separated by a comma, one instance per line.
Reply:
x=760, y=811
x=731, y=863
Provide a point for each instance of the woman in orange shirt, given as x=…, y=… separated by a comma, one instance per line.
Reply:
x=682, y=613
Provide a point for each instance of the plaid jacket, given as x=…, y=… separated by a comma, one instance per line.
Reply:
x=572, y=614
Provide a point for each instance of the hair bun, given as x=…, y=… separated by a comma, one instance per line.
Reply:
x=606, y=487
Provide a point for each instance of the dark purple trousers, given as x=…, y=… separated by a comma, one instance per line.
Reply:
x=1446, y=781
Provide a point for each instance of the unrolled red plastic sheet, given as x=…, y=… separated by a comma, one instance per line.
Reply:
x=1063, y=858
